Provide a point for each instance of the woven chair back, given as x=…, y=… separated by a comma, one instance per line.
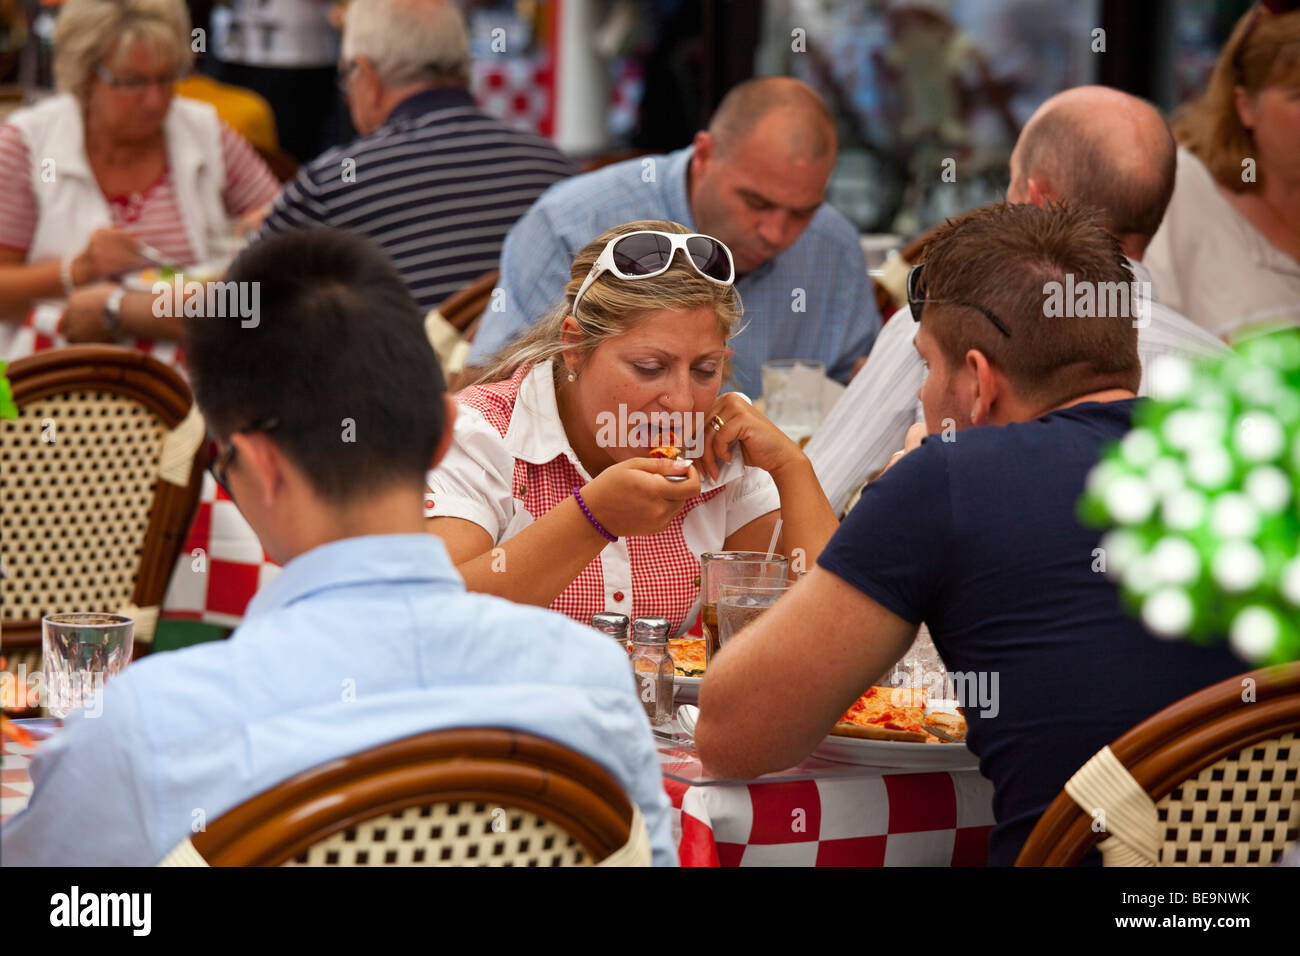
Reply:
x=99, y=479
x=1212, y=780
x=464, y=797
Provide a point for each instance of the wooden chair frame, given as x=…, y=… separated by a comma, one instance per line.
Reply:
x=484, y=765
x=160, y=389
x=1172, y=746
x=464, y=307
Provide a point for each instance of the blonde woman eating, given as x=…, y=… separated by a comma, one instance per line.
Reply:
x=549, y=496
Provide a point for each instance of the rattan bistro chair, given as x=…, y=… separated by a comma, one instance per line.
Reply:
x=99, y=478
x=452, y=324
x=1209, y=781
x=463, y=797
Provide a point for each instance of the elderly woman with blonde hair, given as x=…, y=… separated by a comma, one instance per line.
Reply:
x=549, y=495
x=1227, y=254
x=113, y=166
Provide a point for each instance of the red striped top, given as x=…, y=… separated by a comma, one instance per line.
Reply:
x=153, y=216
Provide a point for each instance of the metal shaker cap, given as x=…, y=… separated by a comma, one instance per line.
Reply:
x=650, y=630
x=613, y=624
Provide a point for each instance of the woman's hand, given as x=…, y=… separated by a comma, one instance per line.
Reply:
x=634, y=498
x=762, y=444
x=912, y=440
x=110, y=252
x=83, y=317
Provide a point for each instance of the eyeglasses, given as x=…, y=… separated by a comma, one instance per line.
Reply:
x=134, y=84
x=644, y=255
x=916, y=300
x=220, y=459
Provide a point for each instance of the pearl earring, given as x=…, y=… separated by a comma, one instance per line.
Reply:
x=573, y=377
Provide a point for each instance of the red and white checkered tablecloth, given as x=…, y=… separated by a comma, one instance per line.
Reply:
x=874, y=817
x=40, y=333
x=856, y=817
x=518, y=90
x=221, y=566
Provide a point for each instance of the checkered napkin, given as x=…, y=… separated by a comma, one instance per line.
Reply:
x=221, y=566
x=880, y=818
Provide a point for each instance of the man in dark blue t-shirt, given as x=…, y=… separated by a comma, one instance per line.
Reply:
x=974, y=533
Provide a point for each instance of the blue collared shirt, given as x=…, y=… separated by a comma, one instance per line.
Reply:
x=354, y=643
x=813, y=301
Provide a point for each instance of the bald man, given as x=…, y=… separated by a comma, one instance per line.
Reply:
x=754, y=179
x=1091, y=146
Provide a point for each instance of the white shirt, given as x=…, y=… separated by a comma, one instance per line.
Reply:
x=870, y=421
x=1213, y=265
x=476, y=481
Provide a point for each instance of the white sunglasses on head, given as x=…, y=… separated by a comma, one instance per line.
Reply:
x=646, y=254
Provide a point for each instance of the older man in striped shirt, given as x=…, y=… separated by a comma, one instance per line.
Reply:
x=434, y=180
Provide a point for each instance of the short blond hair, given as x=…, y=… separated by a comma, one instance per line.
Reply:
x=409, y=41
x=612, y=306
x=89, y=31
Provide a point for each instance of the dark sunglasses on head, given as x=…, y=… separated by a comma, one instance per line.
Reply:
x=643, y=255
x=916, y=300
x=220, y=459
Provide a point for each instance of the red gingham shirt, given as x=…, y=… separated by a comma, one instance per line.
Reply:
x=664, y=570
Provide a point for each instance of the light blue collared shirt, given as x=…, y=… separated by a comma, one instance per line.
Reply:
x=813, y=301
x=354, y=643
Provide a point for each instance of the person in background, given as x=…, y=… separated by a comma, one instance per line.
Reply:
x=287, y=52
x=1092, y=146
x=977, y=537
x=366, y=599
x=548, y=495
x=755, y=180
x=433, y=179
x=110, y=164
x=1228, y=251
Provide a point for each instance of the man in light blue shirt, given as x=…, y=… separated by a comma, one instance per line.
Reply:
x=367, y=635
x=755, y=180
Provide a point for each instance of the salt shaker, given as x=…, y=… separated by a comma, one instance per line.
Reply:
x=653, y=668
x=615, y=625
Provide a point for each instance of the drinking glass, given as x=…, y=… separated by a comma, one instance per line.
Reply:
x=792, y=396
x=717, y=567
x=82, y=650
x=744, y=599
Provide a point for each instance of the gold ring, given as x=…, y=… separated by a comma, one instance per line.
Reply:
x=717, y=423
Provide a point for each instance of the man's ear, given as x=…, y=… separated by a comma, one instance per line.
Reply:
x=264, y=464
x=703, y=153
x=1040, y=192
x=983, y=385
x=448, y=431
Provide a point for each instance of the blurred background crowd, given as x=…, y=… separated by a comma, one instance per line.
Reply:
x=651, y=72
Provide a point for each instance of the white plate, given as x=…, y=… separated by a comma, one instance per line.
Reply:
x=686, y=688
x=901, y=754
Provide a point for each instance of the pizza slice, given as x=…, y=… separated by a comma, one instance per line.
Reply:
x=899, y=713
x=688, y=656
x=886, y=713
x=666, y=451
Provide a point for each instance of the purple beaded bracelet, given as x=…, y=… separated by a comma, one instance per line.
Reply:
x=594, y=523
